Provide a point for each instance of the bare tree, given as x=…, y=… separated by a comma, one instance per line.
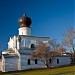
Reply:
x=69, y=40
x=46, y=51
x=42, y=52
x=58, y=48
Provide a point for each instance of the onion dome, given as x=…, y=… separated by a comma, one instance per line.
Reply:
x=24, y=21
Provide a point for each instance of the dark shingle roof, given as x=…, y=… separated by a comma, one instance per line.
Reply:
x=10, y=55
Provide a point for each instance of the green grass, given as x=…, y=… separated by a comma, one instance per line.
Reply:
x=69, y=70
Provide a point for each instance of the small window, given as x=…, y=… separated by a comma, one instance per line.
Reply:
x=28, y=61
x=22, y=33
x=57, y=61
x=50, y=60
x=19, y=39
x=35, y=61
x=32, y=46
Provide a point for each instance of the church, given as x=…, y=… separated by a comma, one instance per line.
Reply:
x=18, y=54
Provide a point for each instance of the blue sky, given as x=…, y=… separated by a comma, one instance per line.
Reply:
x=49, y=17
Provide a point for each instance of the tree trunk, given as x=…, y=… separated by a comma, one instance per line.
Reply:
x=47, y=63
x=74, y=57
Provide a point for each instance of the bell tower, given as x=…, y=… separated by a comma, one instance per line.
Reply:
x=24, y=23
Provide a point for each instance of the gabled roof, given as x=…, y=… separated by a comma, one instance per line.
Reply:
x=25, y=52
x=10, y=55
x=33, y=36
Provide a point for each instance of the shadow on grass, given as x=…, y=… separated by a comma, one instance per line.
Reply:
x=15, y=74
x=70, y=72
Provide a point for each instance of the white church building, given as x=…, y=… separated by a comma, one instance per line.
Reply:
x=18, y=54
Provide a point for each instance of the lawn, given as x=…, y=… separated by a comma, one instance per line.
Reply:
x=69, y=70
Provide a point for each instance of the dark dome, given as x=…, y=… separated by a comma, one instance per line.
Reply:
x=24, y=21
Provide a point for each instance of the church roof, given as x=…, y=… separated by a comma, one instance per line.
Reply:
x=24, y=21
x=10, y=55
x=62, y=56
x=25, y=52
x=34, y=36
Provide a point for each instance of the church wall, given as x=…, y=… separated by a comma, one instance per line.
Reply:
x=62, y=60
x=0, y=64
x=24, y=31
x=3, y=64
x=27, y=41
x=11, y=64
x=12, y=42
x=24, y=63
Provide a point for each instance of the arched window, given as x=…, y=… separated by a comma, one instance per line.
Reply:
x=57, y=61
x=50, y=61
x=32, y=46
x=35, y=61
x=28, y=61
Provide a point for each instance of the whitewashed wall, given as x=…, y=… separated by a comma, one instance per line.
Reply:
x=63, y=60
x=12, y=42
x=26, y=41
x=11, y=64
x=0, y=64
x=24, y=63
x=24, y=31
x=3, y=64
